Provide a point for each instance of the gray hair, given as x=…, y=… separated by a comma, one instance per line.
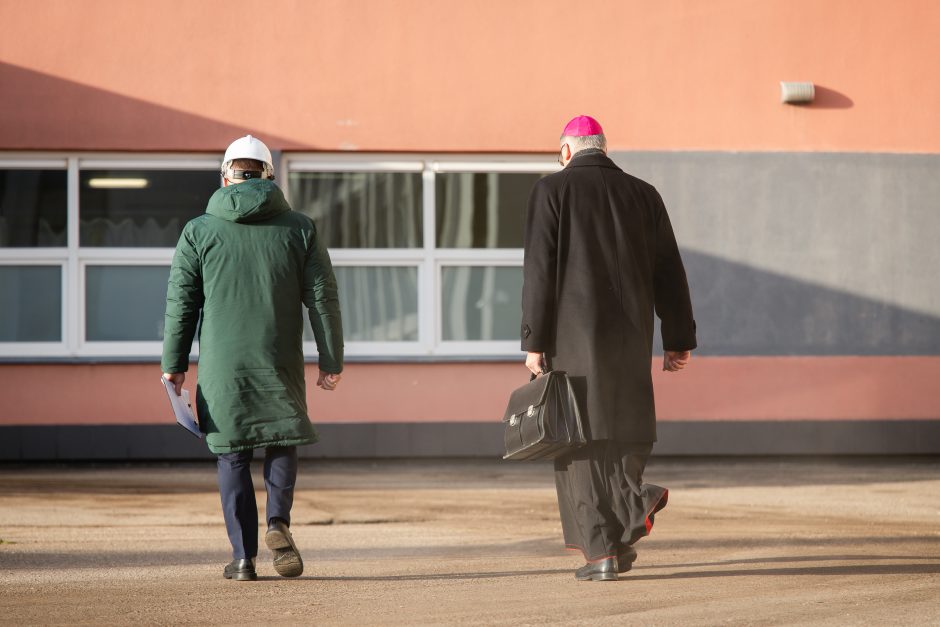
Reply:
x=584, y=142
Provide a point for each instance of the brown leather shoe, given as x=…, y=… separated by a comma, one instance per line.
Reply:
x=287, y=561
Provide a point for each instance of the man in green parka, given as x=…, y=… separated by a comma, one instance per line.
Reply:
x=248, y=266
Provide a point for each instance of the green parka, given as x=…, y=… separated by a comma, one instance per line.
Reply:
x=249, y=266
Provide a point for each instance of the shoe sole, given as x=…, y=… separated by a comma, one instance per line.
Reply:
x=599, y=577
x=287, y=560
x=242, y=576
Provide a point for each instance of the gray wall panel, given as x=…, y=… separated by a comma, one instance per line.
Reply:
x=806, y=253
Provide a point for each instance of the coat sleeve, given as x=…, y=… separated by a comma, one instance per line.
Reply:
x=672, y=298
x=321, y=298
x=184, y=300
x=540, y=241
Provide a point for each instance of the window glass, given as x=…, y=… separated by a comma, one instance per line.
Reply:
x=378, y=303
x=481, y=302
x=141, y=208
x=32, y=304
x=32, y=208
x=125, y=303
x=361, y=209
x=482, y=209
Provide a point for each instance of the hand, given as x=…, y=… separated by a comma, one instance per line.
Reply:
x=328, y=381
x=176, y=379
x=674, y=361
x=535, y=362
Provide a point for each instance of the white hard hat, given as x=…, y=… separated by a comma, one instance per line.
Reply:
x=249, y=147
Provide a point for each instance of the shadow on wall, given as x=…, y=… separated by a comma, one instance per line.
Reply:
x=741, y=310
x=826, y=98
x=39, y=111
x=831, y=99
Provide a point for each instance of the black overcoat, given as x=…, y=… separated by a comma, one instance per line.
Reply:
x=600, y=254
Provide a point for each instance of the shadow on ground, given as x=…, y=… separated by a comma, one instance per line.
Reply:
x=464, y=474
x=13, y=559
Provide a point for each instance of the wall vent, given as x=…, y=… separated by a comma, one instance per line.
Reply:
x=796, y=92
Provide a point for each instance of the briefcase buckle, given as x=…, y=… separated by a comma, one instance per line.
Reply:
x=531, y=411
x=513, y=420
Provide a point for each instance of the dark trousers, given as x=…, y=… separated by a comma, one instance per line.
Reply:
x=238, y=494
x=603, y=502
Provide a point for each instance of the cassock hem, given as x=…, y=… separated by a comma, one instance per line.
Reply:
x=590, y=560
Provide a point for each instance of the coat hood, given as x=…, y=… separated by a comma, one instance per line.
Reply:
x=251, y=201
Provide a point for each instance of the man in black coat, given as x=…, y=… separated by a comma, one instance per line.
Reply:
x=600, y=256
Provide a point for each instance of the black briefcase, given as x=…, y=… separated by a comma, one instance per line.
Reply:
x=542, y=419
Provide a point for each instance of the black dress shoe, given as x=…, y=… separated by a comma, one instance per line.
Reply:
x=604, y=570
x=287, y=561
x=240, y=570
x=625, y=559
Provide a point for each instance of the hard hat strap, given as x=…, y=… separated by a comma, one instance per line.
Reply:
x=238, y=174
x=246, y=174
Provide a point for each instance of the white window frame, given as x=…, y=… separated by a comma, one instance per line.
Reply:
x=508, y=257
x=159, y=257
x=125, y=256
x=357, y=257
x=51, y=256
x=43, y=258
x=74, y=258
x=429, y=260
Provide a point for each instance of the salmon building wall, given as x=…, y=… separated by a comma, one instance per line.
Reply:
x=808, y=231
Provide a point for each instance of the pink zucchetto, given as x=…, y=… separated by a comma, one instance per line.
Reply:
x=581, y=126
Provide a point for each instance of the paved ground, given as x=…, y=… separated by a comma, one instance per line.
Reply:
x=741, y=542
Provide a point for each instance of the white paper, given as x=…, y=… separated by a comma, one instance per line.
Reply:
x=182, y=408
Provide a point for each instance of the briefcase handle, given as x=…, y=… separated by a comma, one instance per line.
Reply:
x=545, y=370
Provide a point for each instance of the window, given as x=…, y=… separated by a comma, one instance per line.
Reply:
x=481, y=302
x=32, y=304
x=379, y=303
x=130, y=214
x=372, y=220
x=85, y=249
x=140, y=208
x=427, y=249
x=361, y=209
x=32, y=207
x=33, y=256
x=482, y=209
x=125, y=303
